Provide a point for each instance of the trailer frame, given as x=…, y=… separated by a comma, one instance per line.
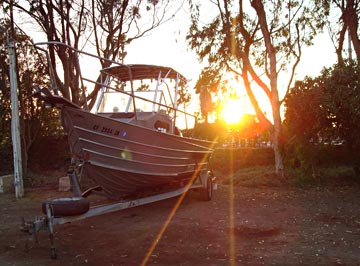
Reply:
x=205, y=183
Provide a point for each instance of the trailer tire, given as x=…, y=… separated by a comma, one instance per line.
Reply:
x=67, y=206
x=207, y=191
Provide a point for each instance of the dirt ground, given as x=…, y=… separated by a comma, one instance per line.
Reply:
x=260, y=225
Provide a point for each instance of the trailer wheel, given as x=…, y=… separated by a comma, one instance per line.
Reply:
x=67, y=206
x=207, y=191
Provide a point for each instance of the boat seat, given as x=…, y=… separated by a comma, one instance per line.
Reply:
x=159, y=121
x=153, y=120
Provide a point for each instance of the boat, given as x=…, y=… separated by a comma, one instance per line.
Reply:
x=130, y=143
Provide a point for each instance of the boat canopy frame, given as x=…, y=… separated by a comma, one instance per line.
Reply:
x=131, y=73
x=125, y=73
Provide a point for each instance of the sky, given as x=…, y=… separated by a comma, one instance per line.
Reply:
x=167, y=46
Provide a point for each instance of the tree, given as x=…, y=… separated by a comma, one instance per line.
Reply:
x=342, y=106
x=326, y=108
x=340, y=23
x=304, y=123
x=118, y=23
x=260, y=42
x=110, y=25
x=303, y=110
x=35, y=119
x=61, y=21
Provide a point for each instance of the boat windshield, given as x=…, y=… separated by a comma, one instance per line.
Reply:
x=145, y=101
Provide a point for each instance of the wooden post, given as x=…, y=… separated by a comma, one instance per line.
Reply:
x=15, y=124
x=349, y=45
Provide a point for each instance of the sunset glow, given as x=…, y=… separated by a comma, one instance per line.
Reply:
x=232, y=111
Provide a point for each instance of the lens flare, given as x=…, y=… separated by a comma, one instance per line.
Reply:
x=231, y=111
x=170, y=217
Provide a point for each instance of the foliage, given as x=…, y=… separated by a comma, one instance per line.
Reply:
x=106, y=26
x=324, y=110
x=257, y=41
x=303, y=106
x=219, y=131
x=343, y=19
x=116, y=25
x=325, y=175
x=342, y=106
x=35, y=119
x=303, y=119
x=210, y=131
x=342, y=101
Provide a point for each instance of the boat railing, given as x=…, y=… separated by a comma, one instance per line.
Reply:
x=83, y=79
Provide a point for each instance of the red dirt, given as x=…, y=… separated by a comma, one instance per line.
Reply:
x=277, y=225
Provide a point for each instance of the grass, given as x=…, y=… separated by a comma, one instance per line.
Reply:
x=37, y=180
x=336, y=172
x=260, y=176
x=256, y=176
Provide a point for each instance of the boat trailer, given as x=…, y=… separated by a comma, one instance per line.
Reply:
x=66, y=210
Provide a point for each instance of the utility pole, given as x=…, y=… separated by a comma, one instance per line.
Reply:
x=15, y=124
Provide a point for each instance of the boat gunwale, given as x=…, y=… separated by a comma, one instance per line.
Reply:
x=179, y=138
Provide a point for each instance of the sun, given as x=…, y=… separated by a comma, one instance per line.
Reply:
x=232, y=111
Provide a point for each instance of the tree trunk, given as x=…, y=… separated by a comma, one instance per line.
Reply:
x=272, y=74
x=277, y=137
x=339, y=49
x=350, y=18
